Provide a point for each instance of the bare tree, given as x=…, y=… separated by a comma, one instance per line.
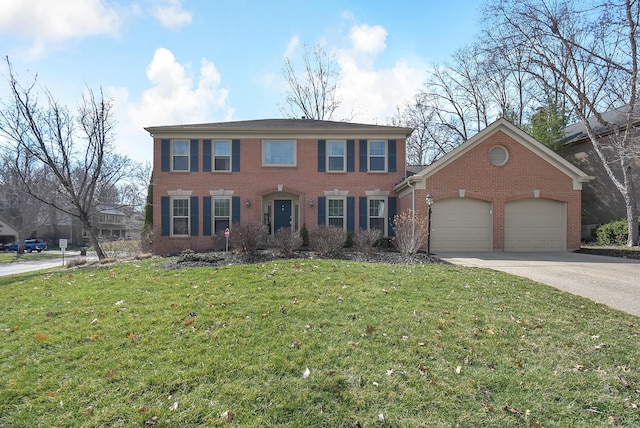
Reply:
x=313, y=90
x=587, y=51
x=77, y=150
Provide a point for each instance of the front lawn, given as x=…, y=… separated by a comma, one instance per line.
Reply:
x=310, y=343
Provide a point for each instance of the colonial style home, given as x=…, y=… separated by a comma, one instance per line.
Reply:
x=501, y=190
x=602, y=201
x=284, y=173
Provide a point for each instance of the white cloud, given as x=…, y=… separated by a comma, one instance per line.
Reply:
x=292, y=47
x=171, y=14
x=175, y=97
x=370, y=39
x=45, y=22
x=371, y=94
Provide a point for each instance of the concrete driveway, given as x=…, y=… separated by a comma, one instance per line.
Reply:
x=609, y=280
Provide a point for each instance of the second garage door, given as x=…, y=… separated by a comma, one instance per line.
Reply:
x=461, y=224
x=535, y=225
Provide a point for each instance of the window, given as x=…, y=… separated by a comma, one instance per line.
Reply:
x=180, y=155
x=498, y=155
x=180, y=217
x=222, y=155
x=376, y=215
x=221, y=215
x=335, y=212
x=336, y=155
x=279, y=153
x=377, y=155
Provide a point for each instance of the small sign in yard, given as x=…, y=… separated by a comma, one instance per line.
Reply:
x=62, y=243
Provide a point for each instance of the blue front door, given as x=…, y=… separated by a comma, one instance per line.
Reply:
x=281, y=214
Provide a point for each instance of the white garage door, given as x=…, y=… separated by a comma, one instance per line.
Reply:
x=535, y=225
x=461, y=224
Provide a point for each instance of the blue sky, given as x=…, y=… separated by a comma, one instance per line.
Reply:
x=192, y=61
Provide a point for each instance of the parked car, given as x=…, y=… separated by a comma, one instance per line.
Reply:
x=29, y=245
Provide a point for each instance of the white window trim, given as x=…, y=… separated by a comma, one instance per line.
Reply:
x=213, y=211
x=344, y=209
x=344, y=156
x=385, y=226
x=386, y=155
x=188, y=156
x=188, y=216
x=213, y=156
x=295, y=153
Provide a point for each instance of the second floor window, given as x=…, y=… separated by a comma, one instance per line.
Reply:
x=377, y=155
x=180, y=155
x=336, y=155
x=279, y=153
x=222, y=155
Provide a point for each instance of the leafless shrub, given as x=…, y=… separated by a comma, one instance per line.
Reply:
x=143, y=256
x=287, y=240
x=327, y=239
x=76, y=262
x=366, y=239
x=411, y=232
x=247, y=235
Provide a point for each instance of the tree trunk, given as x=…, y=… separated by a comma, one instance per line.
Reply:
x=631, y=205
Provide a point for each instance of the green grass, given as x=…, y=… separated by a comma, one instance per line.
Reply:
x=12, y=257
x=430, y=345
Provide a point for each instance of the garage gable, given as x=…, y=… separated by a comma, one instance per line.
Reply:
x=501, y=190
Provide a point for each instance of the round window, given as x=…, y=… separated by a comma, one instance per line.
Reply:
x=498, y=155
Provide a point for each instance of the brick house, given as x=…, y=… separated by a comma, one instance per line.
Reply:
x=501, y=190
x=602, y=202
x=281, y=172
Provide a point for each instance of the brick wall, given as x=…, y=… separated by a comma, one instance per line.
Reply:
x=516, y=180
x=254, y=181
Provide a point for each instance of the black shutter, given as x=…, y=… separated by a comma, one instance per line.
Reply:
x=165, y=215
x=206, y=155
x=364, y=165
x=322, y=155
x=351, y=155
x=392, y=213
x=351, y=214
x=391, y=166
x=235, y=209
x=206, y=215
x=322, y=210
x=193, y=213
x=235, y=155
x=165, y=155
x=194, y=156
x=363, y=211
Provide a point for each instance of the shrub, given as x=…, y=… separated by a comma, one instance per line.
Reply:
x=327, y=239
x=304, y=234
x=365, y=240
x=613, y=233
x=288, y=240
x=246, y=236
x=411, y=232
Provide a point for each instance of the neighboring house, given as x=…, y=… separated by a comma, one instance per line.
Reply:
x=283, y=173
x=8, y=234
x=501, y=190
x=602, y=202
